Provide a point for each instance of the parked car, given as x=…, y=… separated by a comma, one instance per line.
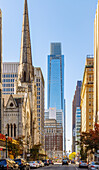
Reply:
x=46, y=162
x=72, y=161
x=23, y=165
x=33, y=164
x=65, y=162
x=15, y=165
x=83, y=164
x=8, y=165
x=51, y=162
x=93, y=166
x=40, y=163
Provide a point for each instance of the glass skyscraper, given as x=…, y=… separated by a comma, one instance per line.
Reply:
x=56, y=81
x=56, y=77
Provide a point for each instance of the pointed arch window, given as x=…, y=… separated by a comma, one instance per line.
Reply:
x=24, y=76
x=14, y=130
x=8, y=129
x=11, y=130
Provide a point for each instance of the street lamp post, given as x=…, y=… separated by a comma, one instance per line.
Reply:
x=6, y=136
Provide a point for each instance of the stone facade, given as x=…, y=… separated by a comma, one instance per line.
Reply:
x=20, y=108
x=39, y=80
x=87, y=96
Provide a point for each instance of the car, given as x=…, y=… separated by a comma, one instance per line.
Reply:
x=7, y=165
x=33, y=164
x=23, y=165
x=93, y=166
x=72, y=161
x=15, y=165
x=83, y=164
x=51, y=162
x=65, y=162
x=40, y=163
x=46, y=162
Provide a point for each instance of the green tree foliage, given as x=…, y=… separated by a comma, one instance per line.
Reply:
x=16, y=148
x=34, y=152
x=89, y=141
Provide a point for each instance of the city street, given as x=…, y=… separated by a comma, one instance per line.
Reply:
x=60, y=167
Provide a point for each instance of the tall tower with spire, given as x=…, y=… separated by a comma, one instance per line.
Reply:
x=25, y=85
x=25, y=72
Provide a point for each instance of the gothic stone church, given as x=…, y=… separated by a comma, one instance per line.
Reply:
x=20, y=109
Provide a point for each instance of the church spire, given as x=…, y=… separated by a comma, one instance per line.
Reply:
x=25, y=54
x=25, y=70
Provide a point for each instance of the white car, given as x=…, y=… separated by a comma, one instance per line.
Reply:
x=38, y=165
x=33, y=164
x=42, y=163
x=93, y=166
x=83, y=164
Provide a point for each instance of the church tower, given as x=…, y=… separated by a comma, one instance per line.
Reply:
x=25, y=70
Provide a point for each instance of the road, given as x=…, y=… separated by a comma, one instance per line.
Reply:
x=60, y=167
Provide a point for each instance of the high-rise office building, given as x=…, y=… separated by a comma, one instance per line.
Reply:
x=96, y=66
x=56, y=80
x=75, y=104
x=87, y=96
x=77, y=128
x=52, y=113
x=9, y=74
x=0, y=70
x=39, y=79
x=55, y=77
x=53, y=139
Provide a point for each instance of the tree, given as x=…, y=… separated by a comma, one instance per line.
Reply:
x=15, y=147
x=34, y=152
x=89, y=141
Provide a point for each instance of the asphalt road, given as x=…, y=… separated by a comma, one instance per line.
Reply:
x=62, y=167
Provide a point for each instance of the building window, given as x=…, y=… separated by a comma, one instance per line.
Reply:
x=11, y=130
x=89, y=103
x=89, y=117
x=89, y=96
x=89, y=110
x=14, y=130
x=89, y=123
x=89, y=89
x=24, y=76
x=8, y=129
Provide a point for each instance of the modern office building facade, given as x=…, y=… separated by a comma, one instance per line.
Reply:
x=53, y=139
x=75, y=104
x=87, y=96
x=78, y=128
x=10, y=73
x=39, y=79
x=52, y=113
x=0, y=70
x=96, y=66
x=56, y=77
x=56, y=81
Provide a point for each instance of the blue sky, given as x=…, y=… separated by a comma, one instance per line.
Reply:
x=70, y=22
